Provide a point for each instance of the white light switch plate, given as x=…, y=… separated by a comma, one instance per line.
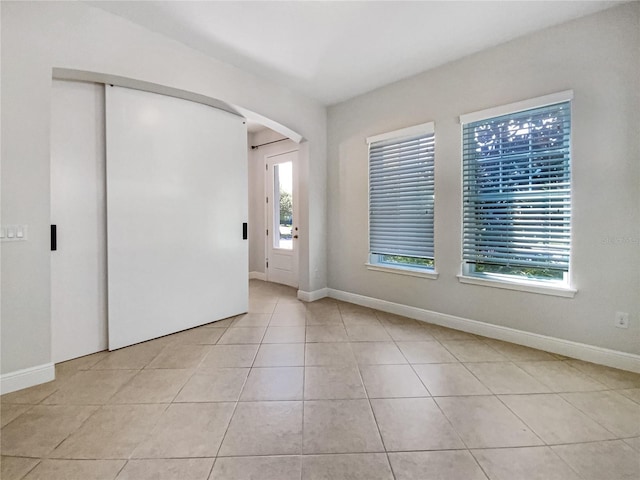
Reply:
x=14, y=233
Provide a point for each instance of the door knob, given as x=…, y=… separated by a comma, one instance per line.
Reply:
x=295, y=236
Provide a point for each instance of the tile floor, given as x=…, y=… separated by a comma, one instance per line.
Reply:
x=325, y=390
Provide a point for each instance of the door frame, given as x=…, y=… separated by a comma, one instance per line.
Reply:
x=269, y=217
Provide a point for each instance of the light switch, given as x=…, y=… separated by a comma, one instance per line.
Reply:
x=13, y=233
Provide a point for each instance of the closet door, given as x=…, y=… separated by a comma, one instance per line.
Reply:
x=79, y=264
x=176, y=203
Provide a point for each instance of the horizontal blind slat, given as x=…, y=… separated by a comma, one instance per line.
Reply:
x=401, y=191
x=517, y=189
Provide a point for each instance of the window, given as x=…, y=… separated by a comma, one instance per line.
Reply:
x=517, y=191
x=401, y=167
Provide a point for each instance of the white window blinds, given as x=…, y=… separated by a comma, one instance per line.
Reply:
x=517, y=190
x=401, y=184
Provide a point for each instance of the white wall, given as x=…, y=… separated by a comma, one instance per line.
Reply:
x=40, y=36
x=599, y=58
x=257, y=217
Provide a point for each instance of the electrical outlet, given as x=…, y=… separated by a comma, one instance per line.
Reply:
x=622, y=320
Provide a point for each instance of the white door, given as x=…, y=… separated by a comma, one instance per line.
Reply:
x=176, y=203
x=78, y=266
x=282, y=216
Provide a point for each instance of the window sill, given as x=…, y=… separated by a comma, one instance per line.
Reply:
x=522, y=286
x=411, y=272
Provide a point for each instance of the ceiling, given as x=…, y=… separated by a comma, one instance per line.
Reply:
x=332, y=51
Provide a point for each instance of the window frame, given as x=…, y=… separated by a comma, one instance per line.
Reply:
x=564, y=287
x=374, y=261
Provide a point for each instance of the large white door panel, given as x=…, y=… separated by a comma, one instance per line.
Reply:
x=176, y=201
x=79, y=265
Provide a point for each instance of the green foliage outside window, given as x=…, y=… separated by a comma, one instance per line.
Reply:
x=408, y=261
x=533, y=273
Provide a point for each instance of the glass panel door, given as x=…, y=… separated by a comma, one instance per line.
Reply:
x=283, y=205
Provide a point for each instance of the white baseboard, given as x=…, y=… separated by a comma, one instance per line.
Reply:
x=258, y=276
x=568, y=348
x=313, y=296
x=29, y=377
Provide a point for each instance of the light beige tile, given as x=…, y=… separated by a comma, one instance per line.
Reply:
x=365, y=466
x=632, y=393
x=333, y=382
x=352, y=308
x=448, y=465
x=280, y=355
x=484, y=422
x=555, y=420
x=329, y=354
x=239, y=336
x=392, y=319
x=426, y=352
x=256, y=306
x=322, y=318
x=76, y=470
x=187, y=430
x=222, y=356
x=408, y=333
x=134, y=357
x=633, y=443
x=449, y=334
x=69, y=368
x=36, y=432
x=616, y=413
x=264, y=428
x=601, y=460
x=111, y=433
x=90, y=387
x=367, y=333
x=262, y=468
x=529, y=463
x=152, y=386
x=224, y=323
x=519, y=353
x=377, y=353
x=9, y=412
x=180, y=356
x=505, y=377
x=32, y=395
x=198, y=336
x=444, y=379
x=284, y=320
x=290, y=308
x=252, y=320
x=15, y=468
x=328, y=333
x=414, y=424
x=611, y=377
x=273, y=383
x=340, y=426
x=392, y=381
x=221, y=385
x=167, y=469
x=473, y=351
x=361, y=318
x=284, y=335
x=560, y=377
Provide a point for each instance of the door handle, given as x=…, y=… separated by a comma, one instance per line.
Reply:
x=295, y=236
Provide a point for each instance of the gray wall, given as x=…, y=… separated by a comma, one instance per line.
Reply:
x=598, y=57
x=40, y=36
